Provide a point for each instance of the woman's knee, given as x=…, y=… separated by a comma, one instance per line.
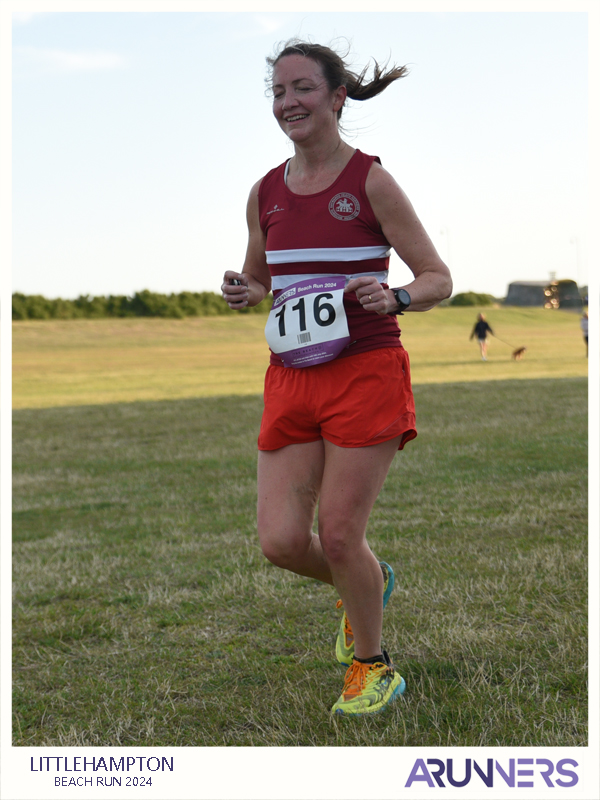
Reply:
x=340, y=542
x=282, y=551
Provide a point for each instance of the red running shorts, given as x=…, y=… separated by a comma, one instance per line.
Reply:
x=355, y=401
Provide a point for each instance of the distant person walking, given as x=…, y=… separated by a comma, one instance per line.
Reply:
x=481, y=329
x=584, y=330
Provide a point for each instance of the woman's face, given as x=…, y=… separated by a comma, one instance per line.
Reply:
x=302, y=103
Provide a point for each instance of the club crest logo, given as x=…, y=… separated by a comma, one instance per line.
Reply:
x=344, y=206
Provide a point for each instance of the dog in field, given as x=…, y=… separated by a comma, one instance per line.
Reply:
x=518, y=353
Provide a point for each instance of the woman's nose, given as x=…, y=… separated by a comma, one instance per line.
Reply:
x=289, y=100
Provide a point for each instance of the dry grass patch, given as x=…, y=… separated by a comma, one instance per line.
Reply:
x=145, y=614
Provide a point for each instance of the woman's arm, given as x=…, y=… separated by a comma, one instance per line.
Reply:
x=255, y=278
x=404, y=231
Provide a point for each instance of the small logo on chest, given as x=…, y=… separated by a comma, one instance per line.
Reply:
x=344, y=206
x=274, y=209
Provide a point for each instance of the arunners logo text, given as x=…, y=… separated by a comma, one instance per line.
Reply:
x=521, y=773
x=275, y=208
x=344, y=206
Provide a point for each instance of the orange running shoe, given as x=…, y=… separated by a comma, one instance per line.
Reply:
x=369, y=688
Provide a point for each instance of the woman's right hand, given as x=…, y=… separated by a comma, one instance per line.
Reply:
x=235, y=295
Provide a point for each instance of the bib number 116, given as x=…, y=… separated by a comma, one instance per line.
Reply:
x=322, y=312
x=307, y=323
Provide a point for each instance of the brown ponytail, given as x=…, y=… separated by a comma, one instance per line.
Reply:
x=359, y=90
x=336, y=72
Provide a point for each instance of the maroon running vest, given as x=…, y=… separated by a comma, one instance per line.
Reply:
x=333, y=232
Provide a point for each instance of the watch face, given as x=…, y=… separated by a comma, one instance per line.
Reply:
x=403, y=297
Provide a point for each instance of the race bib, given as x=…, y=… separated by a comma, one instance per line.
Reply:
x=307, y=324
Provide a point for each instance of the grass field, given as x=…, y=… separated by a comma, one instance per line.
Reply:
x=145, y=614
x=82, y=362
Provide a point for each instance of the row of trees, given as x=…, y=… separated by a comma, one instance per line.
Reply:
x=472, y=299
x=153, y=304
x=141, y=304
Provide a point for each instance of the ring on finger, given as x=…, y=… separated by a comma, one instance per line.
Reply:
x=370, y=299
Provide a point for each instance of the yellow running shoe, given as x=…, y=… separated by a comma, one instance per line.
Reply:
x=369, y=688
x=344, y=645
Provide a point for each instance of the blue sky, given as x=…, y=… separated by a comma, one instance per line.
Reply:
x=137, y=136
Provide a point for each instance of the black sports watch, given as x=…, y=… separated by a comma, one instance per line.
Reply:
x=403, y=300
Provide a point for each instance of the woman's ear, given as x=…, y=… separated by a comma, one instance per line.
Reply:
x=339, y=98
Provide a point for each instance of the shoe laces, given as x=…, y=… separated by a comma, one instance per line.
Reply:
x=358, y=675
x=355, y=679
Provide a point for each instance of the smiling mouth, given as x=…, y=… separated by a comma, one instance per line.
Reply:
x=297, y=117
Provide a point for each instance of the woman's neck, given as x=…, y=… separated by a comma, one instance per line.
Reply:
x=314, y=168
x=314, y=158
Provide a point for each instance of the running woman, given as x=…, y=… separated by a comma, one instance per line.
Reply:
x=338, y=398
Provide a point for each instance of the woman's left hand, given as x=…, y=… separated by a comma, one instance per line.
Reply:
x=371, y=294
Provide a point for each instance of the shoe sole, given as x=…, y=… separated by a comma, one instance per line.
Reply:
x=339, y=712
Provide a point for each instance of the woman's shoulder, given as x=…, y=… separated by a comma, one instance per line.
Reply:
x=381, y=184
x=377, y=172
x=363, y=162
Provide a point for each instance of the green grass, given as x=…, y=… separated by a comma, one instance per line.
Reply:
x=145, y=614
x=83, y=362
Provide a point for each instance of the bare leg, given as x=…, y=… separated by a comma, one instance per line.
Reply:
x=352, y=479
x=348, y=480
x=289, y=482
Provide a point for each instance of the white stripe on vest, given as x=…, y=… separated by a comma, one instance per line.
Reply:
x=327, y=254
